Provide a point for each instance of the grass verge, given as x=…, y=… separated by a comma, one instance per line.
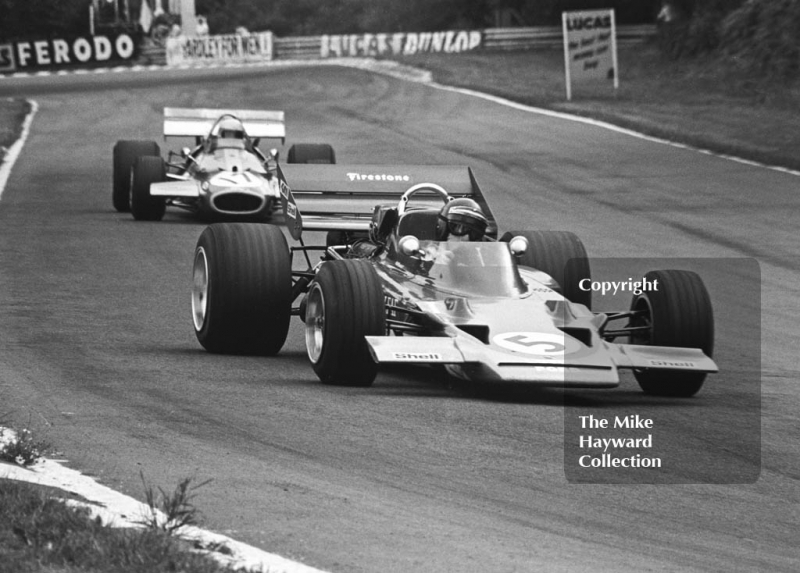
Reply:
x=704, y=103
x=40, y=533
x=44, y=530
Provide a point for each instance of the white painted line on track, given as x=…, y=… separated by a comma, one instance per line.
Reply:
x=13, y=152
x=114, y=508
x=118, y=510
x=610, y=127
x=411, y=74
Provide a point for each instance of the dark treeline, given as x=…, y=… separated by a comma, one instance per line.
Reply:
x=307, y=17
x=25, y=18
x=32, y=18
x=758, y=34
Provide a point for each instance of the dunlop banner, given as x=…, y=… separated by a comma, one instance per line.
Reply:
x=406, y=44
x=231, y=48
x=590, y=47
x=24, y=55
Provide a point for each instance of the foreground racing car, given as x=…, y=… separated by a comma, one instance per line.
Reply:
x=423, y=279
x=225, y=175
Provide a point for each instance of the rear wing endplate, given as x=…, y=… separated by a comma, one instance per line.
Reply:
x=188, y=122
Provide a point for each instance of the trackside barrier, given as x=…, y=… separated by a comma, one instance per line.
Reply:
x=492, y=39
x=228, y=48
x=48, y=54
x=552, y=37
x=297, y=47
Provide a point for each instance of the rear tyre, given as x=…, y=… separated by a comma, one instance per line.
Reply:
x=125, y=154
x=241, y=291
x=321, y=153
x=344, y=304
x=561, y=255
x=678, y=313
x=144, y=207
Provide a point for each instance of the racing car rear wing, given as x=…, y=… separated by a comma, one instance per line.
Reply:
x=187, y=122
x=343, y=197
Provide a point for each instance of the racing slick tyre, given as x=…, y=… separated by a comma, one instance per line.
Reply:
x=678, y=314
x=311, y=153
x=242, y=289
x=561, y=255
x=125, y=154
x=344, y=304
x=144, y=207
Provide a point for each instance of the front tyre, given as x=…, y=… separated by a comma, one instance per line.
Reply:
x=241, y=289
x=561, y=255
x=145, y=207
x=345, y=304
x=125, y=154
x=320, y=153
x=677, y=313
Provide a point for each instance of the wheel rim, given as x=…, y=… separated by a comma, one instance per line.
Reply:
x=199, y=289
x=130, y=190
x=315, y=323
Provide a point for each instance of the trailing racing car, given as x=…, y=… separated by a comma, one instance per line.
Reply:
x=225, y=175
x=413, y=271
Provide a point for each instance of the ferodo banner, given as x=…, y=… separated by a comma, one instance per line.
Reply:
x=590, y=47
x=65, y=52
x=231, y=48
x=399, y=44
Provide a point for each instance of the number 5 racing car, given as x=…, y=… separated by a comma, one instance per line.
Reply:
x=226, y=175
x=424, y=279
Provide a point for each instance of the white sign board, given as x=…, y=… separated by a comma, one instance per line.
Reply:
x=590, y=47
x=231, y=48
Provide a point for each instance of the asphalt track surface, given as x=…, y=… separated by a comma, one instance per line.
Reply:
x=415, y=473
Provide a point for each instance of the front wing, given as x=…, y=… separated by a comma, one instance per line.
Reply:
x=479, y=362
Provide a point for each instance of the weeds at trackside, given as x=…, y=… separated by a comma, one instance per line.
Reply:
x=170, y=512
x=39, y=532
x=19, y=446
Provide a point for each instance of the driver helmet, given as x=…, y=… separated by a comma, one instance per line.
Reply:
x=462, y=218
x=230, y=128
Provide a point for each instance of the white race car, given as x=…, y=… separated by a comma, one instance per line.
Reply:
x=225, y=175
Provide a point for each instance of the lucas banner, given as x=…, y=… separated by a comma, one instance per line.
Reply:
x=231, y=48
x=405, y=44
x=590, y=47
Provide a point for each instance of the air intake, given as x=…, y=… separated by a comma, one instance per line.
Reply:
x=479, y=331
x=237, y=202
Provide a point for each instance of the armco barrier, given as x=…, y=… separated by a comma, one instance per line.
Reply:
x=306, y=47
x=493, y=39
x=551, y=37
x=522, y=38
x=152, y=55
x=297, y=47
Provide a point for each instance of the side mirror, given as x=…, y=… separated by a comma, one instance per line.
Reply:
x=518, y=245
x=409, y=246
x=186, y=153
x=274, y=153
